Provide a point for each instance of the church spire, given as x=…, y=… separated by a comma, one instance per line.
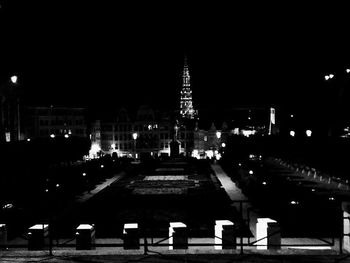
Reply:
x=186, y=107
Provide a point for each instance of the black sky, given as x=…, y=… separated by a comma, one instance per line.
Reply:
x=110, y=55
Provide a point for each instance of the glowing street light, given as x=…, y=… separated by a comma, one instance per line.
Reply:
x=251, y=172
x=66, y=136
x=134, y=136
x=52, y=135
x=308, y=133
x=218, y=134
x=223, y=145
x=102, y=166
x=84, y=174
x=328, y=77
x=57, y=185
x=28, y=140
x=347, y=70
x=14, y=79
x=292, y=133
x=113, y=146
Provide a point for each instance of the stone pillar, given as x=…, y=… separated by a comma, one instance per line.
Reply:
x=3, y=236
x=37, y=235
x=224, y=235
x=178, y=236
x=85, y=237
x=268, y=234
x=131, y=236
x=346, y=226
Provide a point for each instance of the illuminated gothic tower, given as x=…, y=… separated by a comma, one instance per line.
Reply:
x=186, y=107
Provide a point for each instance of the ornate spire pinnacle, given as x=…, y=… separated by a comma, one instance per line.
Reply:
x=186, y=106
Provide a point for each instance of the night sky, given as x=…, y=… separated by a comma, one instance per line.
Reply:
x=103, y=55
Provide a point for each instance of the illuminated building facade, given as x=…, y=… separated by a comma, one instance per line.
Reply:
x=210, y=141
x=187, y=110
x=147, y=133
x=52, y=121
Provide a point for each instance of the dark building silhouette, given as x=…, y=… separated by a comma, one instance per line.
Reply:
x=53, y=121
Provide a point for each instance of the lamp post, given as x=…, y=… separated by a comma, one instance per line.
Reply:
x=11, y=112
x=134, y=136
x=218, y=137
x=14, y=81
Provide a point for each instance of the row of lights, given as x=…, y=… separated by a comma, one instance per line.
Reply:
x=65, y=136
x=330, y=76
x=308, y=133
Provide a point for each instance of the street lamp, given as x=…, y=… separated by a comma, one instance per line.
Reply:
x=52, y=135
x=134, y=136
x=347, y=70
x=218, y=134
x=14, y=79
x=292, y=133
x=308, y=133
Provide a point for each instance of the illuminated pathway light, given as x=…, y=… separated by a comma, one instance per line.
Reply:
x=251, y=172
